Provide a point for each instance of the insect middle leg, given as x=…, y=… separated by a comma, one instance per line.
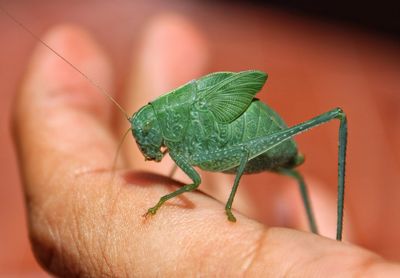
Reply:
x=190, y=171
x=239, y=173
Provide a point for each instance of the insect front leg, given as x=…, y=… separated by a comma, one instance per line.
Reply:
x=190, y=171
x=239, y=173
x=304, y=195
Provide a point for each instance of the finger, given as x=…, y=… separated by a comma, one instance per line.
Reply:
x=191, y=236
x=61, y=120
x=61, y=131
x=172, y=52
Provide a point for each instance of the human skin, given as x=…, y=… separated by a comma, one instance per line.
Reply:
x=86, y=220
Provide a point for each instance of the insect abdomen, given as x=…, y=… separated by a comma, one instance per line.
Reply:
x=257, y=122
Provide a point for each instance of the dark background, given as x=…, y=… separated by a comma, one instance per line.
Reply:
x=377, y=16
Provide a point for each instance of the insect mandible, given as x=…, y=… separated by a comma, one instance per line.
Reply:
x=215, y=123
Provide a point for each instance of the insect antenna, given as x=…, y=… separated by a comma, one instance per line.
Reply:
x=114, y=165
x=94, y=83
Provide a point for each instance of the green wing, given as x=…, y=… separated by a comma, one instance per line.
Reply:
x=227, y=95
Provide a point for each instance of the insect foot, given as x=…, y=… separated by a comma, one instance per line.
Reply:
x=230, y=215
x=151, y=211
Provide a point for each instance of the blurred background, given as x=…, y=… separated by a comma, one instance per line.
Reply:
x=318, y=54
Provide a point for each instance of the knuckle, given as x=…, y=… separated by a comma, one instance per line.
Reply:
x=46, y=241
x=62, y=236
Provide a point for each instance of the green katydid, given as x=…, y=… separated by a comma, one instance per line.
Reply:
x=215, y=123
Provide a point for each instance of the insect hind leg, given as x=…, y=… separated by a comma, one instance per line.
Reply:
x=268, y=142
x=172, y=171
x=304, y=195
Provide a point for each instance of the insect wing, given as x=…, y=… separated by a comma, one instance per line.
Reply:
x=206, y=82
x=231, y=95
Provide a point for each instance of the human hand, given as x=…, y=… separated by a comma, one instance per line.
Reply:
x=85, y=220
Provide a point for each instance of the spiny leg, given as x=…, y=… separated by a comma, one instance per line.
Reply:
x=239, y=173
x=190, y=171
x=304, y=195
x=341, y=173
x=266, y=143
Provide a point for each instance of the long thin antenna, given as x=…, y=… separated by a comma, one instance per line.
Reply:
x=119, y=149
x=101, y=89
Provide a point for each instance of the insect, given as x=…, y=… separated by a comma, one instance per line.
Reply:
x=217, y=124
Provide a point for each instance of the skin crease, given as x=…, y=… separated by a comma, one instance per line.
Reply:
x=82, y=224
